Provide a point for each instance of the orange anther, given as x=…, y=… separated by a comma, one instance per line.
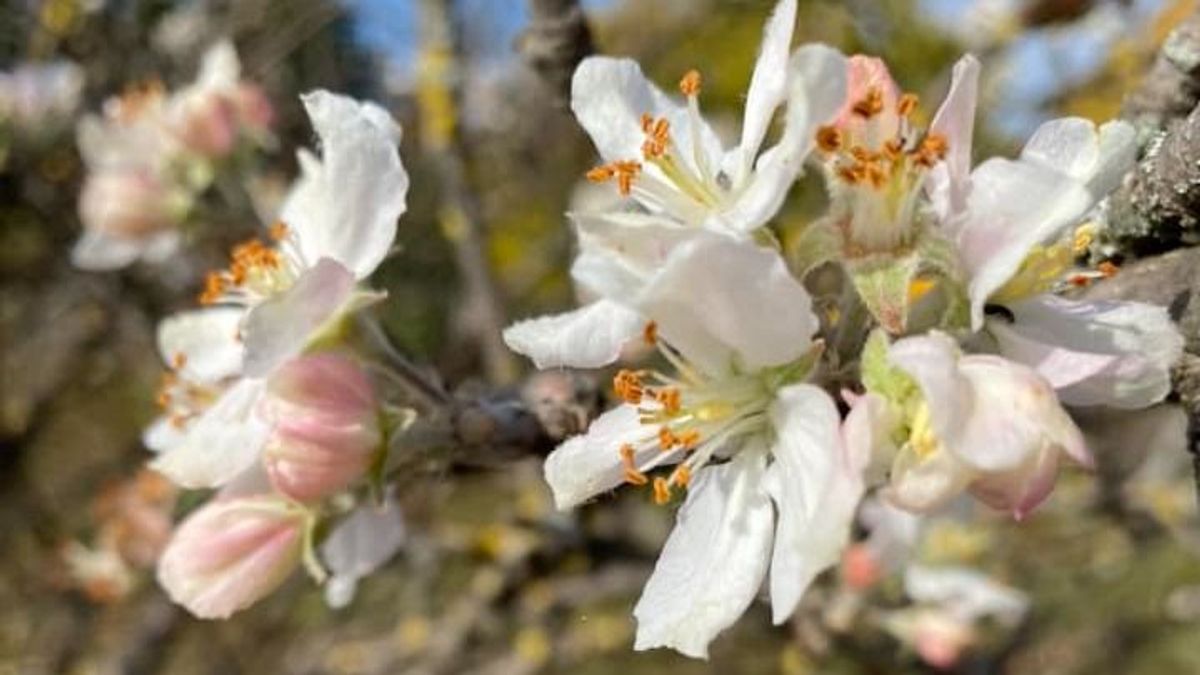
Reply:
x=869, y=105
x=690, y=84
x=907, y=104
x=1108, y=269
x=682, y=475
x=178, y=360
x=601, y=174
x=635, y=477
x=829, y=138
x=627, y=385
x=667, y=439
x=662, y=491
x=669, y=398
x=278, y=230
x=650, y=333
x=689, y=439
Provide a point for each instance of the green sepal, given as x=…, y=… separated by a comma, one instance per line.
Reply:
x=883, y=284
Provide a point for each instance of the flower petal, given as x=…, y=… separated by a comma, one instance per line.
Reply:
x=1013, y=206
x=1020, y=490
x=282, y=327
x=359, y=545
x=921, y=484
x=955, y=121
x=609, y=97
x=932, y=360
x=586, y=465
x=1014, y=416
x=346, y=206
x=1095, y=353
x=588, y=337
x=768, y=84
x=816, y=486
x=223, y=442
x=208, y=340
x=719, y=300
x=1071, y=145
x=714, y=562
x=817, y=90
x=967, y=593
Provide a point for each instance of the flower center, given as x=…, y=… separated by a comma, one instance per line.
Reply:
x=180, y=399
x=683, y=183
x=1046, y=269
x=256, y=271
x=876, y=162
x=692, y=415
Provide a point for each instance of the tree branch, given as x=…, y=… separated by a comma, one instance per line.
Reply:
x=557, y=39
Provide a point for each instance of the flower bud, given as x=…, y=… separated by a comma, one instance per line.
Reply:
x=326, y=426
x=206, y=123
x=128, y=204
x=231, y=553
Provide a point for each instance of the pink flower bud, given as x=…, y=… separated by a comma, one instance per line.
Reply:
x=254, y=109
x=326, y=426
x=230, y=553
x=206, y=123
x=126, y=204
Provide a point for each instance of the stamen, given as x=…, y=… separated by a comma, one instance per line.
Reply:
x=278, y=231
x=1082, y=239
x=690, y=84
x=870, y=105
x=931, y=150
x=631, y=473
x=650, y=333
x=1108, y=269
x=682, y=475
x=670, y=400
x=627, y=385
x=625, y=171
x=907, y=104
x=178, y=360
x=829, y=138
x=667, y=439
x=662, y=491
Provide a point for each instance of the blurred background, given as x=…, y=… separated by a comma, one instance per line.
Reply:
x=492, y=580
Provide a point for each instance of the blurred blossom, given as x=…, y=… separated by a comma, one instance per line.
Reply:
x=949, y=605
x=359, y=545
x=152, y=153
x=326, y=426
x=35, y=96
x=230, y=553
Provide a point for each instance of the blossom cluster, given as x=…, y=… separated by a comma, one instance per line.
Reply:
x=151, y=153
x=948, y=363
x=267, y=399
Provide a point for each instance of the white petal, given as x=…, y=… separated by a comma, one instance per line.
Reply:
x=609, y=97
x=584, y=466
x=162, y=435
x=99, y=252
x=1095, y=353
x=346, y=207
x=768, y=84
x=281, y=327
x=922, y=484
x=358, y=546
x=816, y=485
x=1071, y=145
x=1015, y=415
x=222, y=443
x=1013, y=206
x=721, y=301
x=219, y=67
x=589, y=337
x=867, y=433
x=641, y=242
x=968, y=594
x=714, y=562
x=209, y=340
x=932, y=360
x=817, y=91
x=955, y=121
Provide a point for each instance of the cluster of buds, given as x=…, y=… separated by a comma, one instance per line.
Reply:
x=959, y=361
x=151, y=153
x=271, y=400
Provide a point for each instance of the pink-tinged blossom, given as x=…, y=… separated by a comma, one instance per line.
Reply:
x=664, y=155
x=326, y=426
x=340, y=222
x=975, y=423
x=231, y=553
